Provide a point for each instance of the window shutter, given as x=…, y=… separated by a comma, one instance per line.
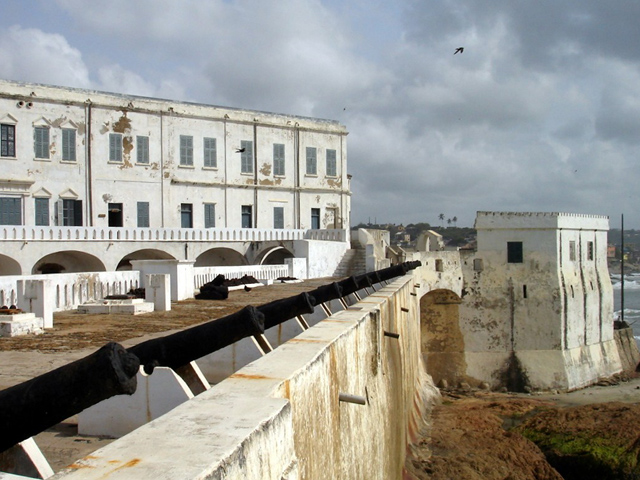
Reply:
x=59, y=213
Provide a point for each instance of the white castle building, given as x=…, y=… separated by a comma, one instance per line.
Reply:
x=90, y=181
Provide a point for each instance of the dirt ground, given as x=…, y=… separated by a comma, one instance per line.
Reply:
x=471, y=436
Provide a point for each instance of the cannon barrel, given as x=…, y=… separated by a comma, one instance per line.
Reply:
x=185, y=346
x=326, y=293
x=348, y=286
x=392, y=272
x=280, y=311
x=39, y=403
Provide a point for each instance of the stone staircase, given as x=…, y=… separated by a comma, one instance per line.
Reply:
x=353, y=262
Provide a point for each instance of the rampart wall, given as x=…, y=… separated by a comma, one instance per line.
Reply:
x=281, y=416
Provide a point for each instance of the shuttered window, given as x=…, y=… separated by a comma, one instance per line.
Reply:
x=41, y=142
x=331, y=163
x=186, y=215
x=278, y=217
x=7, y=140
x=115, y=147
x=312, y=161
x=142, y=149
x=143, y=214
x=209, y=215
x=42, y=211
x=210, y=153
x=246, y=156
x=247, y=220
x=278, y=159
x=315, y=218
x=186, y=150
x=10, y=211
x=68, y=145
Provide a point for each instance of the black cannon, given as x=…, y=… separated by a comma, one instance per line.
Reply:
x=280, y=311
x=326, y=293
x=38, y=404
x=183, y=347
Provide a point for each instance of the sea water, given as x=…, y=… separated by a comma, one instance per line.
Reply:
x=631, y=301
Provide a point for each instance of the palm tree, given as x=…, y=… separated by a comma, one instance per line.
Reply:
x=441, y=218
x=455, y=221
x=449, y=221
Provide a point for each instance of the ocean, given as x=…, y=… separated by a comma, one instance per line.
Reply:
x=631, y=301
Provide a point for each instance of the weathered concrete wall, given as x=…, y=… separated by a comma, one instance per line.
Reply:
x=280, y=416
x=627, y=349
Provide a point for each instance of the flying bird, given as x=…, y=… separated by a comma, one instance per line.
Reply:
x=459, y=50
x=240, y=150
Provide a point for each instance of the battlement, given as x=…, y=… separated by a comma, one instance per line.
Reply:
x=540, y=220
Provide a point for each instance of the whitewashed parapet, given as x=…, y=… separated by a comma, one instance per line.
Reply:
x=332, y=235
x=93, y=234
x=73, y=289
x=260, y=272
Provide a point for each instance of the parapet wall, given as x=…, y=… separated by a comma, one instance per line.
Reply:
x=280, y=417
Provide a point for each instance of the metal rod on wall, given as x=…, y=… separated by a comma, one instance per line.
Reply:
x=622, y=267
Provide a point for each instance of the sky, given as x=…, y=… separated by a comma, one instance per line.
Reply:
x=540, y=112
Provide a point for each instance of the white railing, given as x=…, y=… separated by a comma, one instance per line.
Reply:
x=97, y=234
x=259, y=272
x=73, y=289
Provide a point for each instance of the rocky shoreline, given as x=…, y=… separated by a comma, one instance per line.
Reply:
x=591, y=433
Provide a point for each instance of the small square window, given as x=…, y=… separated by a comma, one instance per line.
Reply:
x=439, y=265
x=478, y=264
x=589, y=250
x=514, y=252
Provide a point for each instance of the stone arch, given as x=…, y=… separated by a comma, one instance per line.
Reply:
x=442, y=342
x=145, y=254
x=70, y=261
x=274, y=256
x=220, y=257
x=8, y=266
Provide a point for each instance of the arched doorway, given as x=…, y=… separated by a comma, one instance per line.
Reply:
x=70, y=261
x=275, y=256
x=146, y=254
x=443, y=348
x=220, y=257
x=8, y=266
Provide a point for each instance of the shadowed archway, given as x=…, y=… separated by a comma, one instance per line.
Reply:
x=441, y=337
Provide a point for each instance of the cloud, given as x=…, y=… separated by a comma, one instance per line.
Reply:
x=29, y=54
x=540, y=112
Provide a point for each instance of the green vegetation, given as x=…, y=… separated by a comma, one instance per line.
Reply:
x=576, y=456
